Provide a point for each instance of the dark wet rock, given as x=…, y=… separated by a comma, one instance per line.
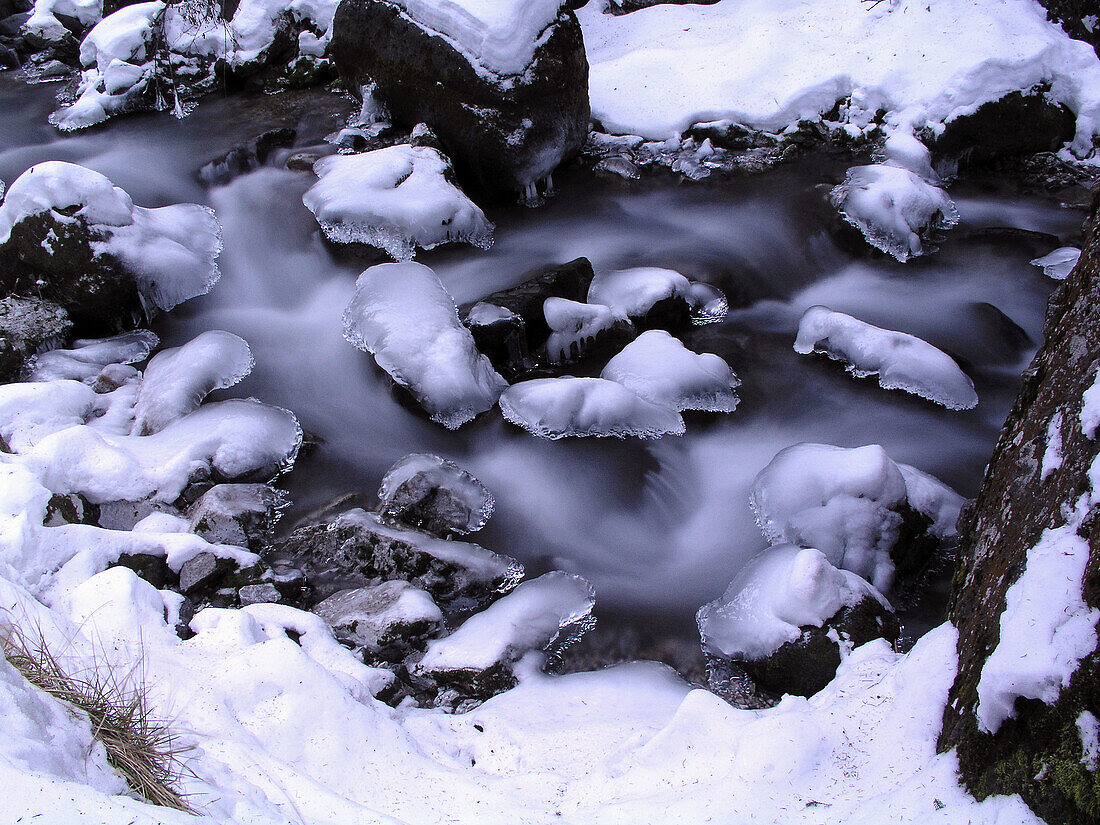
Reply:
x=28, y=325
x=9, y=58
x=732, y=136
x=265, y=593
x=70, y=508
x=154, y=569
x=1077, y=17
x=245, y=158
x=503, y=134
x=429, y=493
x=502, y=343
x=1038, y=753
x=302, y=161
x=1017, y=124
x=356, y=549
x=387, y=620
x=808, y=664
x=729, y=680
x=203, y=572
x=243, y=515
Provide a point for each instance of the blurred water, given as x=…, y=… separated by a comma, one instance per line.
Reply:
x=659, y=527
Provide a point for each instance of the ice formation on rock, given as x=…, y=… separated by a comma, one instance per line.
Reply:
x=633, y=292
x=562, y=407
x=177, y=380
x=398, y=198
x=88, y=356
x=406, y=319
x=784, y=588
x=424, y=490
x=1059, y=263
x=894, y=208
x=845, y=502
x=531, y=617
x=901, y=361
x=662, y=370
x=574, y=325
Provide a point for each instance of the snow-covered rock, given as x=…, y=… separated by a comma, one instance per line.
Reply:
x=406, y=319
x=895, y=209
x=243, y=515
x=563, y=407
x=45, y=23
x=477, y=659
x=1059, y=263
x=398, y=198
x=394, y=612
x=433, y=494
x=662, y=370
x=503, y=84
x=785, y=615
x=100, y=257
x=635, y=293
x=176, y=380
x=357, y=548
x=848, y=503
x=901, y=361
x=575, y=328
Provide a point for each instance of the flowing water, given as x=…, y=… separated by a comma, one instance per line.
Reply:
x=658, y=527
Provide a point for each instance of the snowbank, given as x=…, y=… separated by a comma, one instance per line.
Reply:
x=767, y=64
x=407, y=320
x=776, y=593
x=398, y=198
x=901, y=361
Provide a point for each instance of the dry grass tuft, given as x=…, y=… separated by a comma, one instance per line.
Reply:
x=141, y=748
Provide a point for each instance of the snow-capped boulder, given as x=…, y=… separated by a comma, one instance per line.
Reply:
x=72, y=237
x=569, y=406
x=407, y=320
x=356, y=549
x=430, y=493
x=786, y=616
x=577, y=329
x=504, y=85
x=895, y=209
x=1059, y=263
x=397, y=199
x=662, y=370
x=901, y=361
x=391, y=614
x=243, y=515
x=650, y=296
x=477, y=660
x=855, y=506
x=176, y=380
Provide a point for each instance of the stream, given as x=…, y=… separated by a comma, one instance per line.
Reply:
x=658, y=527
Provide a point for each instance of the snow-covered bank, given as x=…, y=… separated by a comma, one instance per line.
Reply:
x=767, y=64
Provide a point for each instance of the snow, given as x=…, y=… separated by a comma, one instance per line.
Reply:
x=45, y=23
x=662, y=370
x=177, y=380
x=779, y=591
x=574, y=326
x=843, y=502
x=633, y=292
x=369, y=614
x=1052, y=455
x=497, y=36
x=407, y=320
x=1089, y=728
x=531, y=617
x=88, y=356
x=171, y=251
x=1045, y=629
x=1059, y=263
x=767, y=64
x=398, y=198
x=563, y=407
x=893, y=208
x=427, y=474
x=902, y=361
x=1090, y=408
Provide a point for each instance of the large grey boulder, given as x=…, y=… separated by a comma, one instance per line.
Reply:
x=505, y=126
